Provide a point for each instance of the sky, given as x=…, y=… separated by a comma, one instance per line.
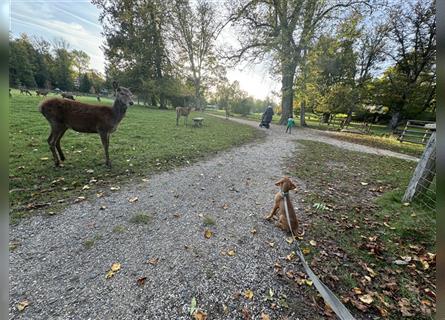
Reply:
x=77, y=22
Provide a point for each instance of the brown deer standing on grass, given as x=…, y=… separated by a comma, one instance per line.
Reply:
x=43, y=93
x=67, y=96
x=184, y=112
x=23, y=90
x=63, y=114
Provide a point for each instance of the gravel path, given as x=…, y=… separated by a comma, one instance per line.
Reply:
x=60, y=264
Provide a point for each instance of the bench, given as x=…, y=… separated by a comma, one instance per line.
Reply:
x=197, y=122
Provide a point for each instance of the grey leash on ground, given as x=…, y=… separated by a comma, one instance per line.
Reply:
x=329, y=297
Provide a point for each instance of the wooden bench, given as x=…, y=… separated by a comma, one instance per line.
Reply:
x=197, y=122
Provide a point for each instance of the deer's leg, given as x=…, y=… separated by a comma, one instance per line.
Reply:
x=52, y=144
x=59, y=149
x=105, y=138
x=177, y=119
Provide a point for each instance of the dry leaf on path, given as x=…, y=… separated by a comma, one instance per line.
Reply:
x=248, y=294
x=115, y=188
x=264, y=316
x=153, y=261
x=200, y=315
x=208, y=234
x=231, y=252
x=141, y=281
x=133, y=199
x=366, y=298
x=313, y=243
x=22, y=305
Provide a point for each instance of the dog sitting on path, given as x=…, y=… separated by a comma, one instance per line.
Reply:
x=285, y=185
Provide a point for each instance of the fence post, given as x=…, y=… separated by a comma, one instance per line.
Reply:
x=424, y=172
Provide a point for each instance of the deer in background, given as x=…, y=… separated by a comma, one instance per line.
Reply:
x=67, y=96
x=23, y=90
x=184, y=112
x=63, y=114
x=43, y=93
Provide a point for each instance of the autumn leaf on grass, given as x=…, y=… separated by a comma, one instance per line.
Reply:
x=22, y=305
x=153, y=261
x=313, y=243
x=308, y=282
x=133, y=199
x=248, y=294
x=388, y=226
x=141, y=281
x=366, y=298
x=306, y=250
x=208, y=234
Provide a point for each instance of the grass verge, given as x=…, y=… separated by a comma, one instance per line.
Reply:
x=377, y=253
x=147, y=141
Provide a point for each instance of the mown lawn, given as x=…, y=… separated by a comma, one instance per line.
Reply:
x=147, y=141
x=376, y=252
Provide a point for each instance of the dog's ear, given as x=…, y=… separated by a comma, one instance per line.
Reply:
x=292, y=185
x=279, y=182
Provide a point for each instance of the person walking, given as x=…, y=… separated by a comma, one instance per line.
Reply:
x=267, y=117
x=290, y=124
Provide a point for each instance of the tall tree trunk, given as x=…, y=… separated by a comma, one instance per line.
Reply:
x=395, y=118
x=303, y=113
x=287, y=92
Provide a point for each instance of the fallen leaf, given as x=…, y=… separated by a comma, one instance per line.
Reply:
x=22, y=305
x=115, y=188
x=90, y=171
x=248, y=294
x=193, y=306
x=290, y=240
x=109, y=274
x=388, y=226
x=313, y=243
x=291, y=256
x=208, y=234
x=271, y=244
x=102, y=207
x=225, y=309
x=44, y=158
x=264, y=316
x=225, y=206
x=308, y=282
x=253, y=231
x=405, y=307
x=141, y=281
x=200, y=315
x=366, y=298
x=153, y=261
x=144, y=179
x=86, y=187
x=115, y=267
x=231, y=252
x=306, y=250
x=357, y=290
x=364, y=183
x=133, y=199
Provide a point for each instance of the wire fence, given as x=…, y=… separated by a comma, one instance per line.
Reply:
x=422, y=186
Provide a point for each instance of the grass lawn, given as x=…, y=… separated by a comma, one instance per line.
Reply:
x=147, y=141
x=377, y=253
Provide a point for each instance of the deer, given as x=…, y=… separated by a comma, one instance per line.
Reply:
x=43, y=93
x=182, y=111
x=64, y=114
x=23, y=90
x=67, y=96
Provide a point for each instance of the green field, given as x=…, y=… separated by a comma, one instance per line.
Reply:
x=147, y=141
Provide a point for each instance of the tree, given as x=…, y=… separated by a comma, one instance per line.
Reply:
x=410, y=86
x=21, y=56
x=136, y=49
x=81, y=61
x=195, y=30
x=85, y=83
x=281, y=30
x=62, y=69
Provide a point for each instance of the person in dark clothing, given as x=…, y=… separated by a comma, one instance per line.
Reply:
x=266, y=119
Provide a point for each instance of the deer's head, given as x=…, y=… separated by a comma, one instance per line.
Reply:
x=123, y=95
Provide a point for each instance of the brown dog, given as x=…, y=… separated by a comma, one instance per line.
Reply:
x=285, y=185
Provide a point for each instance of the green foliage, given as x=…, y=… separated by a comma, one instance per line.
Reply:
x=85, y=83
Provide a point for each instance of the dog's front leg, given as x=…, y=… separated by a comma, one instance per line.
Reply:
x=273, y=211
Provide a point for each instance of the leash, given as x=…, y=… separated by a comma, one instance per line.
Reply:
x=329, y=297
